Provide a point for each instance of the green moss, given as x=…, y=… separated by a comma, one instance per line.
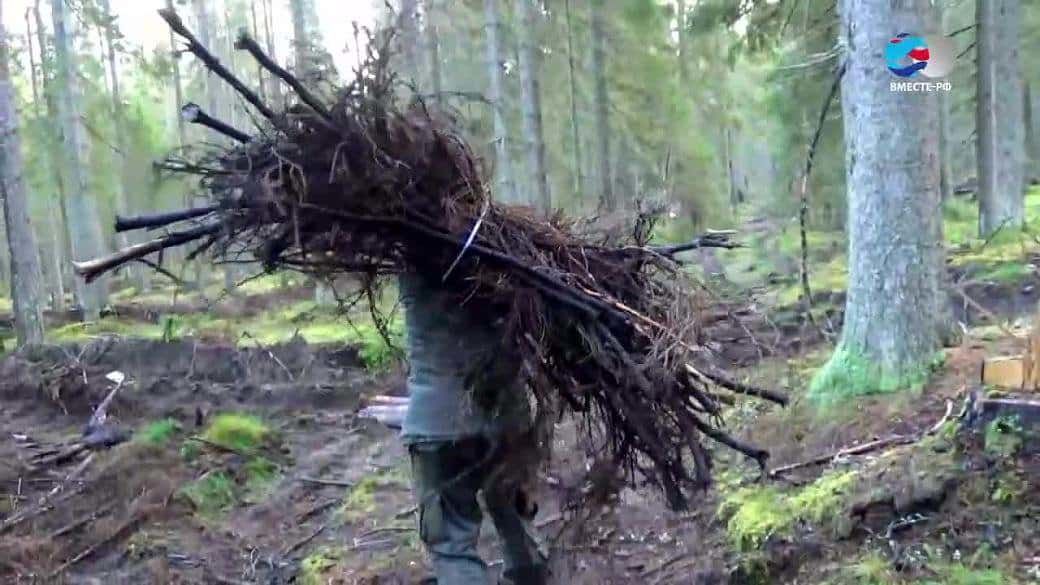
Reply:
x=315, y=567
x=238, y=431
x=361, y=501
x=159, y=432
x=211, y=495
x=754, y=514
x=261, y=475
x=848, y=374
x=1003, y=437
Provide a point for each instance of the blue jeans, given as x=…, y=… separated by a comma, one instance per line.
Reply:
x=447, y=476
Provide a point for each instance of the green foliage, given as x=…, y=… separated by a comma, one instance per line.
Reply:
x=211, y=494
x=159, y=432
x=1003, y=437
x=849, y=373
x=754, y=514
x=242, y=432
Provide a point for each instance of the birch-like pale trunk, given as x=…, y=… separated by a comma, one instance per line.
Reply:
x=896, y=311
x=21, y=240
x=999, y=117
x=531, y=103
x=496, y=94
x=122, y=186
x=84, y=224
x=61, y=239
x=608, y=200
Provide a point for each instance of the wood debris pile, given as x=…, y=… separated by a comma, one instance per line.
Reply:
x=374, y=183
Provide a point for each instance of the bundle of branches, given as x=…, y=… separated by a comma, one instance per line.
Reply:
x=370, y=184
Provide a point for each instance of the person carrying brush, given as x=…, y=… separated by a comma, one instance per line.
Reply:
x=467, y=419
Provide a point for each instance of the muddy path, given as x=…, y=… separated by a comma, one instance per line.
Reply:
x=334, y=504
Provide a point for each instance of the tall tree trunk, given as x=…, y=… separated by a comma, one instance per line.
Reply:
x=579, y=179
x=32, y=60
x=531, y=103
x=684, y=49
x=433, y=49
x=61, y=235
x=1001, y=139
x=122, y=186
x=946, y=179
x=1032, y=141
x=276, y=87
x=261, y=84
x=25, y=264
x=896, y=309
x=496, y=91
x=83, y=219
x=178, y=92
x=608, y=200
x=409, y=24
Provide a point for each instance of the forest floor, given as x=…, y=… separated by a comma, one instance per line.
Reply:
x=247, y=462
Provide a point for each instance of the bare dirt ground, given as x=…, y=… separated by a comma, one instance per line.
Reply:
x=335, y=504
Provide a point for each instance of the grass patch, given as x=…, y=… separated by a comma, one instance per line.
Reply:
x=159, y=432
x=212, y=494
x=261, y=475
x=754, y=514
x=238, y=431
x=959, y=574
x=872, y=569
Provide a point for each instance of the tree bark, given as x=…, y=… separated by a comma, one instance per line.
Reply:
x=579, y=179
x=608, y=200
x=1032, y=142
x=896, y=309
x=496, y=93
x=84, y=225
x=25, y=264
x=999, y=117
x=531, y=103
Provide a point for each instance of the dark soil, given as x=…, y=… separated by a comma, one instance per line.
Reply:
x=125, y=519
